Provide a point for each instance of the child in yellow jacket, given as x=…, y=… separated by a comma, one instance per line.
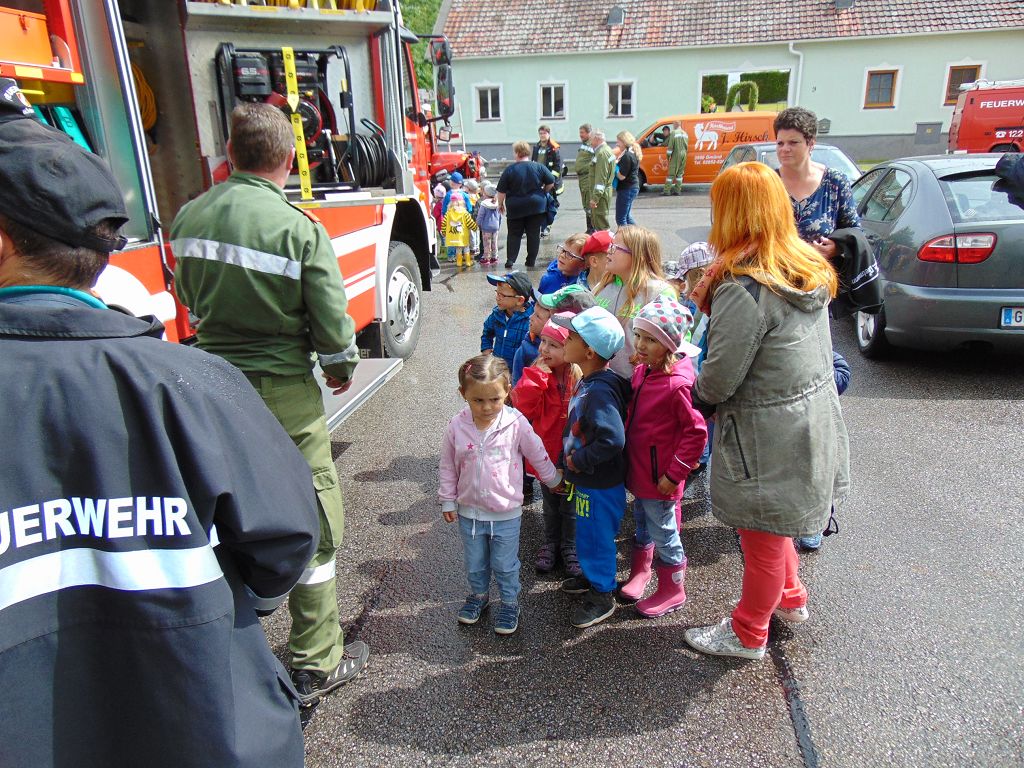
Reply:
x=457, y=225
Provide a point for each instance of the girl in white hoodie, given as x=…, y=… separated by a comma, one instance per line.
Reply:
x=482, y=485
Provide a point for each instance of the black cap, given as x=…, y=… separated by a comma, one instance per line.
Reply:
x=517, y=281
x=50, y=184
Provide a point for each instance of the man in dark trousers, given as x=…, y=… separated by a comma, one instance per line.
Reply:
x=141, y=494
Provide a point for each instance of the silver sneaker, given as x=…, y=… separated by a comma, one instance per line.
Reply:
x=793, y=615
x=720, y=640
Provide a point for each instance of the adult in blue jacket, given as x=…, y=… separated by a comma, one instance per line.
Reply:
x=523, y=198
x=151, y=504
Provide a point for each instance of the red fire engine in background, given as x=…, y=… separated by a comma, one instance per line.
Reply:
x=149, y=87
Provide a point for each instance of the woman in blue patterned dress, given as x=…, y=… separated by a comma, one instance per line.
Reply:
x=821, y=196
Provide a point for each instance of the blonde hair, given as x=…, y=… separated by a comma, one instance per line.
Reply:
x=754, y=233
x=484, y=369
x=577, y=241
x=630, y=141
x=646, y=250
x=521, y=149
x=692, y=277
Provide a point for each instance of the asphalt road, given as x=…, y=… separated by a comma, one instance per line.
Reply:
x=913, y=656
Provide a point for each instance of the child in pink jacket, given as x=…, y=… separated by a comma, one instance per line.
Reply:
x=482, y=485
x=665, y=437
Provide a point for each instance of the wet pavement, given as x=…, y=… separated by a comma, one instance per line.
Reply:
x=913, y=656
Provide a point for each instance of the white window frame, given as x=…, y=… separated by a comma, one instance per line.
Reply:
x=477, y=87
x=964, y=63
x=607, y=98
x=898, y=69
x=564, y=85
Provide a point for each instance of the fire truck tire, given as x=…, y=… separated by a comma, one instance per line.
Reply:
x=1004, y=148
x=401, y=330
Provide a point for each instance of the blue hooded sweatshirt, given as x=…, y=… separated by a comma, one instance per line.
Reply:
x=595, y=434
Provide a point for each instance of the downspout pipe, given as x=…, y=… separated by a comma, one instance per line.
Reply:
x=799, y=73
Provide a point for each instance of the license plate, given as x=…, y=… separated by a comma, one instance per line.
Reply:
x=1013, y=317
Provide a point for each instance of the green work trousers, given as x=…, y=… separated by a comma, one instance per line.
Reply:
x=586, y=188
x=316, y=641
x=599, y=215
x=676, y=167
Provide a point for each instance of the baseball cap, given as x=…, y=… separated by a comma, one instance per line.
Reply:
x=597, y=327
x=599, y=242
x=517, y=281
x=557, y=332
x=698, y=254
x=456, y=177
x=667, y=321
x=570, y=298
x=50, y=184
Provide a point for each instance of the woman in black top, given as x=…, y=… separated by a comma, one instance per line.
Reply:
x=628, y=176
x=523, y=198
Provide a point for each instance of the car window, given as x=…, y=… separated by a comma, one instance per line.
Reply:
x=833, y=158
x=972, y=198
x=656, y=138
x=889, y=198
x=735, y=157
x=863, y=185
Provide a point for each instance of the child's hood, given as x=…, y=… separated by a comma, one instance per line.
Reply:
x=506, y=419
x=681, y=372
x=608, y=381
x=489, y=202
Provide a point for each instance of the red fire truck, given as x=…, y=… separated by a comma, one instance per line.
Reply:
x=988, y=117
x=149, y=84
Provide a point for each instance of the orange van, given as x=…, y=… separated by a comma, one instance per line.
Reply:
x=711, y=135
x=988, y=117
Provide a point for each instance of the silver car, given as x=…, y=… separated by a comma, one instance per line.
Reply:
x=764, y=152
x=950, y=249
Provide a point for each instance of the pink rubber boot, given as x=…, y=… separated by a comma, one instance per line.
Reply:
x=670, y=595
x=633, y=588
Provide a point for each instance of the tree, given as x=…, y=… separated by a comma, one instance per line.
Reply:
x=419, y=16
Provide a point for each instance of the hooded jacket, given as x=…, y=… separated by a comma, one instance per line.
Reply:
x=128, y=635
x=665, y=434
x=541, y=399
x=780, y=451
x=482, y=474
x=595, y=435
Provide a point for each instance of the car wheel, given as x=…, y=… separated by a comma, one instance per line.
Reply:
x=871, y=339
x=1004, y=148
x=402, y=325
x=643, y=181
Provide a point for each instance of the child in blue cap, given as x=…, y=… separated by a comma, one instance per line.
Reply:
x=593, y=458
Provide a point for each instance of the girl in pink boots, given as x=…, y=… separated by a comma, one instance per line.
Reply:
x=665, y=437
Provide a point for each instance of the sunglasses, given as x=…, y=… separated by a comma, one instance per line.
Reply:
x=563, y=250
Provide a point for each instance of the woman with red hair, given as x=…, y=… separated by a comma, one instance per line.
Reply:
x=780, y=454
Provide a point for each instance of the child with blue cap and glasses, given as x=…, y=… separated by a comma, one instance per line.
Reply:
x=592, y=455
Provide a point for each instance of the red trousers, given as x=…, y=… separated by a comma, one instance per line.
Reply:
x=770, y=579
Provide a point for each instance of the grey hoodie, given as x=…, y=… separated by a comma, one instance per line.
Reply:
x=780, y=451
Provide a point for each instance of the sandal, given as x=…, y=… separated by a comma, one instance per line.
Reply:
x=545, y=559
x=571, y=562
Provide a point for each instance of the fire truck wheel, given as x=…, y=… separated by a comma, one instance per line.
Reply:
x=402, y=325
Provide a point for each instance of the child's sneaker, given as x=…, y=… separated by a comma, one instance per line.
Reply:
x=576, y=585
x=793, y=615
x=571, y=562
x=545, y=562
x=595, y=608
x=472, y=608
x=721, y=640
x=507, y=620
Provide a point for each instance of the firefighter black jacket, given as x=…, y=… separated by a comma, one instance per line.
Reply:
x=127, y=635
x=859, y=286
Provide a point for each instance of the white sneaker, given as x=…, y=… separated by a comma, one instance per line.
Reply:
x=720, y=640
x=793, y=615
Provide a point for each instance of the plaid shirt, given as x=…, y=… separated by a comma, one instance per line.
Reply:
x=504, y=334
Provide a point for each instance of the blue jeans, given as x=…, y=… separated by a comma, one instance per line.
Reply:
x=624, y=205
x=492, y=546
x=705, y=458
x=656, y=521
x=598, y=514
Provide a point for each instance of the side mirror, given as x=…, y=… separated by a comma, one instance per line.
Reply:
x=445, y=90
x=444, y=133
x=440, y=52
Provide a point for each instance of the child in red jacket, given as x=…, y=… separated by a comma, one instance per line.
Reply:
x=542, y=396
x=665, y=436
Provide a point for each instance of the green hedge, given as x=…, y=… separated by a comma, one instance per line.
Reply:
x=747, y=88
x=715, y=86
x=773, y=86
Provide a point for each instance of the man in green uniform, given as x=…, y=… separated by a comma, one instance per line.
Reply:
x=675, y=151
x=263, y=279
x=604, y=172
x=584, y=159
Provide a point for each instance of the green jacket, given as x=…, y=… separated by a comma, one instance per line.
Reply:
x=584, y=159
x=264, y=281
x=780, y=456
x=604, y=172
x=678, y=142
